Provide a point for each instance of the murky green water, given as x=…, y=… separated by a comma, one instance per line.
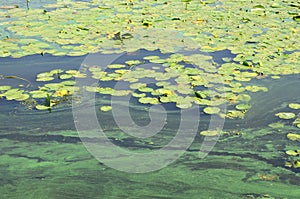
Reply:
x=42, y=155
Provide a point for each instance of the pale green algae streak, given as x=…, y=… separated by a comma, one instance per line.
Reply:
x=56, y=165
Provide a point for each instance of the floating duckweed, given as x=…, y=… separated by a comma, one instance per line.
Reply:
x=105, y=108
x=294, y=106
x=285, y=115
x=211, y=110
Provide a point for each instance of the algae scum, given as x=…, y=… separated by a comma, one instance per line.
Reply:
x=232, y=61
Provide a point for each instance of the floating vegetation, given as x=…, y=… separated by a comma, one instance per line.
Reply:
x=294, y=106
x=105, y=108
x=210, y=133
x=285, y=115
x=211, y=110
x=57, y=32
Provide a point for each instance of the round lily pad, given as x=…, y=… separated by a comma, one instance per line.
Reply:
x=294, y=105
x=211, y=110
x=285, y=115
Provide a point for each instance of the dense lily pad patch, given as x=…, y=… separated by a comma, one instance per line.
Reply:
x=78, y=28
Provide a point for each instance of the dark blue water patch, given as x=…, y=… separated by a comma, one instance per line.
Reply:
x=28, y=67
x=219, y=55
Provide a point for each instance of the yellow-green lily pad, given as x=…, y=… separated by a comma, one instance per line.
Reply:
x=293, y=136
x=294, y=105
x=285, y=115
x=211, y=110
x=105, y=108
x=210, y=133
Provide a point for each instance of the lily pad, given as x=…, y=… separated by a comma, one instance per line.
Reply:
x=105, y=108
x=293, y=137
x=210, y=133
x=285, y=115
x=294, y=105
x=211, y=110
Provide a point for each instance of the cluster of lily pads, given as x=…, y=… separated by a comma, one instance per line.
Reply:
x=293, y=154
x=46, y=96
x=78, y=28
x=174, y=79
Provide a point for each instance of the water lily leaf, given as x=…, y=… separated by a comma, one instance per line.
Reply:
x=293, y=152
x=5, y=88
x=139, y=95
x=294, y=106
x=211, y=110
x=210, y=133
x=293, y=136
x=65, y=76
x=145, y=89
x=148, y=100
x=44, y=79
x=15, y=94
x=285, y=115
x=235, y=114
x=38, y=94
x=42, y=107
x=243, y=106
x=61, y=93
x=116, y=66
x=133, y=62
x=105, y=108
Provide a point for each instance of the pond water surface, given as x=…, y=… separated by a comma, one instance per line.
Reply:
x=42, y=155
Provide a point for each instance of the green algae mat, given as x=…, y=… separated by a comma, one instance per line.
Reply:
x=237, y=62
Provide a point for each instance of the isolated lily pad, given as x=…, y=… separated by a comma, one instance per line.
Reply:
x=105, y=108
x=293, y=136
x=285, y=115
x=294, y=105
x=243, y=106
x=42, y=107
x=210, y=133
x=211, y=110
